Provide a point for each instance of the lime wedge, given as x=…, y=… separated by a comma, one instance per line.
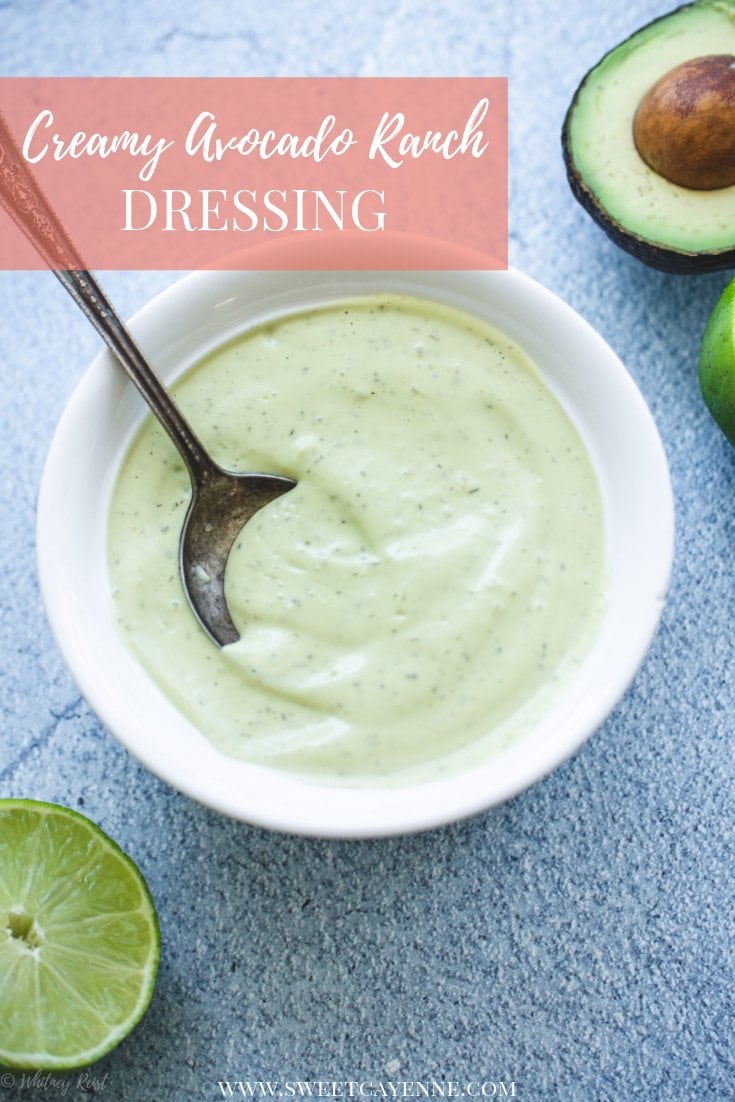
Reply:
x=79, y=939
x=717, y=362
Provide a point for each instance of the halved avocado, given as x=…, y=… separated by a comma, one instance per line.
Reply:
x=667, y=226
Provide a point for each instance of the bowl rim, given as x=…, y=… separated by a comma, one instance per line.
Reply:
x=267, y=797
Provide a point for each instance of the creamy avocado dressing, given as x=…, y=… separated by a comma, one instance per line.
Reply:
x=429, y=585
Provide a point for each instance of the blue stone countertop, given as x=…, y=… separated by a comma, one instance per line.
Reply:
x=573, y=944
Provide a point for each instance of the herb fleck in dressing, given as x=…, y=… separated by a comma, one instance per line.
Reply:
x=426, y=589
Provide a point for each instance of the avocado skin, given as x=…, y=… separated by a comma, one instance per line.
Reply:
x=655, y=255
x=717, y=362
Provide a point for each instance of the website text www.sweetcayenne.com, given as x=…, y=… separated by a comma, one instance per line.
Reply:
x=372, y=1089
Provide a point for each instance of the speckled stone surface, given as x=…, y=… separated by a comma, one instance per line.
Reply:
x=575, y=943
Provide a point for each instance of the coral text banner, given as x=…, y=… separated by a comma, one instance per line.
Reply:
x=261, y=173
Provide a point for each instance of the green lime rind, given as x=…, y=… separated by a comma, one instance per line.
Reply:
x=717, y=362
x=80, y=941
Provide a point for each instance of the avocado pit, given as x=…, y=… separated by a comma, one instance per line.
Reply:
x=684, y=127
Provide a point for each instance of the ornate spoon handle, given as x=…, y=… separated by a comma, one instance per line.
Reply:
x=25, y=202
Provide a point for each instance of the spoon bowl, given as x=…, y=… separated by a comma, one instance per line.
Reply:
x=221, y=505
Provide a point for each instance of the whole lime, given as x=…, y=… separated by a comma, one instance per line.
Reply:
x=717, y=362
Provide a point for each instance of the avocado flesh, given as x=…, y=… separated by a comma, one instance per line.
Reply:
x=667, y=226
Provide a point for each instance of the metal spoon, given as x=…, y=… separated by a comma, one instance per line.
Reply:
x=221, y=501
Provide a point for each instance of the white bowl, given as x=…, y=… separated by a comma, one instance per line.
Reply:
x=176, y=329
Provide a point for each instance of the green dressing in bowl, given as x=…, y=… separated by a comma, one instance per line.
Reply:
x=429, y=587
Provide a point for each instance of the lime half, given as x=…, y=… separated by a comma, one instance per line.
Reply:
x=79, y=939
